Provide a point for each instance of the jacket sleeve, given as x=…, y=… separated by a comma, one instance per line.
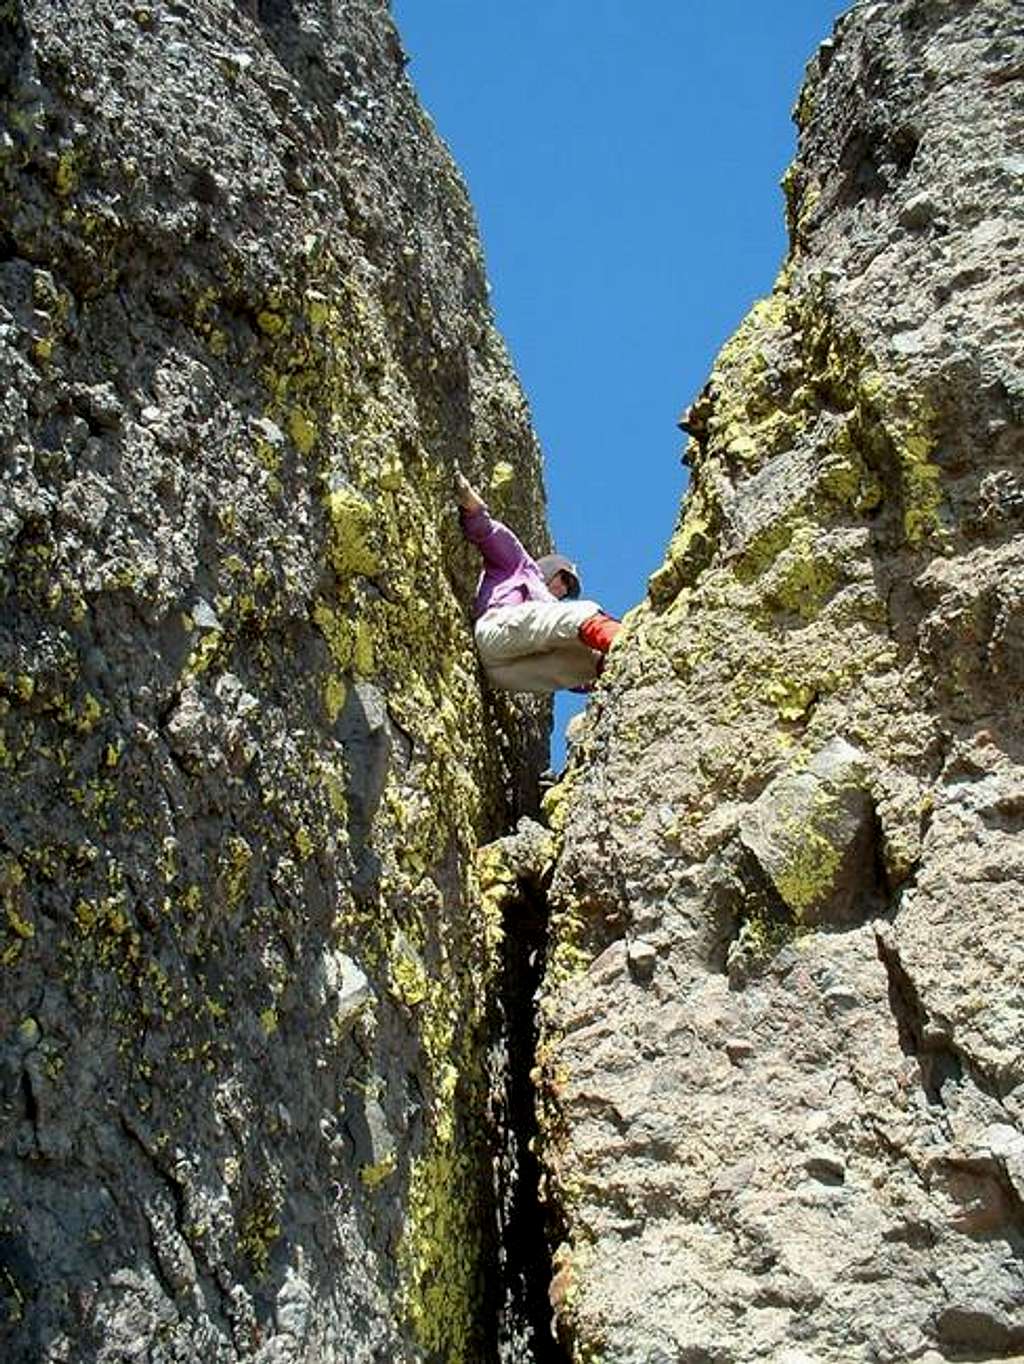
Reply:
x=500, y=547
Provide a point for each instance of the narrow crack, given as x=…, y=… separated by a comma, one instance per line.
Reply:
x=938, y=1061
x=176, y=1190
x=523, y=1314
x=31, y=1103
x=943, y=1060
x=216, y=1289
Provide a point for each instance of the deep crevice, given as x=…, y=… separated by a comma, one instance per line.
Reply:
x=939, y=1063
x=522, y=1313
x=166, y=1178
x=940, y=1060
x=31, y=1103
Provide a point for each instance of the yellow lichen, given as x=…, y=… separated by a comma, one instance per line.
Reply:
x=439, y=1256
x=302, y=430
x=363, y=649
x=373, y=1176
x=235, y=860
x=802, y=577
x=503, y=475
x=66, y=175
x=352, y=527
x=334, y=694
x=259, y=1230
x=271, y=323
x=408, y=977
x=809, y=871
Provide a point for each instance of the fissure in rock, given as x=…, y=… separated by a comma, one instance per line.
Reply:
x=939, y=1064
x=522, y=1311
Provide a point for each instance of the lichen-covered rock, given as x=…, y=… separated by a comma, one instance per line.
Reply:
x=811, y=833
x=782, y=1076
x=246, y=757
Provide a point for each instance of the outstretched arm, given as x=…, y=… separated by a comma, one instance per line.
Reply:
x=466, y=495
x=501, y=549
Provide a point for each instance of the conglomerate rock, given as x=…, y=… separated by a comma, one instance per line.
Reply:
x=245, y=754
x=783, y=1064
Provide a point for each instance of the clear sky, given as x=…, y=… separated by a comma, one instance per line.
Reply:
x=624, y=162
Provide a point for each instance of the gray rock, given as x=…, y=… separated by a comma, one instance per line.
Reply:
x=918, y=211
x=799, y=1139
x=642, y=957
x=244, y=747
x=812, y=832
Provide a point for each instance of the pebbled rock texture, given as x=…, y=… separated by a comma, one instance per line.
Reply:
x=783, y=1059
x=245, y=755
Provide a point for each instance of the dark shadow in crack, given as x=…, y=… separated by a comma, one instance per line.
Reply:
x=520, y=1306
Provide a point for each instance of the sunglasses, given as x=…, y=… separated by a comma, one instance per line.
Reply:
x=572, y=587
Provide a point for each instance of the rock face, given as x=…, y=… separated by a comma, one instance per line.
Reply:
x=246, y=759
x=783, y=1065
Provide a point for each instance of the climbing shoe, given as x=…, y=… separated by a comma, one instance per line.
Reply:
x=597, y=632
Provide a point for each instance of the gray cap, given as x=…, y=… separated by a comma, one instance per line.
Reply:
x=551, y=564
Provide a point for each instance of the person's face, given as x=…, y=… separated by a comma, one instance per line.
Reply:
x=560, y=585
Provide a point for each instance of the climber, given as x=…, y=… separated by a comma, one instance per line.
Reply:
x=532, y=631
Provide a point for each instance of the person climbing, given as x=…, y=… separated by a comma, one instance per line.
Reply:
x=532, y=630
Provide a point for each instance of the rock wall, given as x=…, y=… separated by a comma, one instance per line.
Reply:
x=246, y=757
x=783, y=1064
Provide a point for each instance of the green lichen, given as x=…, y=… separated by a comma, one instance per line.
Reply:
x=877, y=448
x=352, y=528
x=334, y=694
x=16, y=927
x=910, y=423
x=791, y=697
x=761, y=937
x=65, y=177
x=271, y=323
x=259, y=1230
x=12, y=1296
x=803, y=110
x=234, y=863
x=503, y=475
x=441, y=1253
x=690, y=550
x=408, y=976
x=204, y=655
x=375, y=1175
x=303, y=430
x=303, y=842
x=439, y=1256
x=809, y=872
x=105, y=924
x=802, y=578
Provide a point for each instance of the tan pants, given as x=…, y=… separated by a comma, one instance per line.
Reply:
x=535, y=646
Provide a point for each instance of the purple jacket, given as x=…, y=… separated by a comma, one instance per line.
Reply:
x=510, y=576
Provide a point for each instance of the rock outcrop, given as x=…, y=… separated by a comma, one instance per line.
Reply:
x=246, y=757
x=783, y=1062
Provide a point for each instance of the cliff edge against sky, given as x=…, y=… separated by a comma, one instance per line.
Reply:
x=782, y=1067
x=246, y=755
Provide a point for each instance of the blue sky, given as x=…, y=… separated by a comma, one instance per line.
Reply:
x=624, y=162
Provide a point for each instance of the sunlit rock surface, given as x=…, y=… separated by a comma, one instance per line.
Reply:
x=245, y=755
x=784, y=1027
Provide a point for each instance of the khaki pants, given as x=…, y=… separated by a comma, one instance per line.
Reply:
x=535, y=646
